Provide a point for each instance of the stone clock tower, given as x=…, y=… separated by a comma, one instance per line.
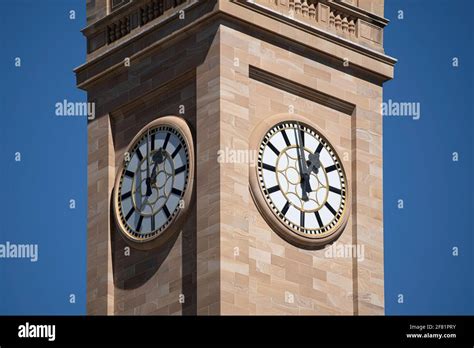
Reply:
x=235, y=159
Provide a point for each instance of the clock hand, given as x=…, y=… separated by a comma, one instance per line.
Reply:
x=303, y=175
x=148, y=154
x=301, y=150
x=148, y=181
x=158, y=158
x=313, y=162
x=306, y=170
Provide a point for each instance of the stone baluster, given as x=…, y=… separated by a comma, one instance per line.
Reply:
x=122, y=28
x=117, y=31
x=331, y=19
x=156, y=11
x=304, y=8
x=292, y=5
x=345, y=25
x=351, y=27
x=338, y=22
x=150, y=13
x=297, y=6
x=312, y=11
x=111, y=34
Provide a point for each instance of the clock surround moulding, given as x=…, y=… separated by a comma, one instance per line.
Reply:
x=175, y=224
x=301, y=240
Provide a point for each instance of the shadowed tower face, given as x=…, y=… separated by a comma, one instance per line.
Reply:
x=235, y=161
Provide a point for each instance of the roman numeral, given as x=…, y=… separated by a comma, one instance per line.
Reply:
x=319, y=148
x=167, y=212
x=152, y=222
x=176, y=192
x=166, y=140
x=331, y=209
x=273, y=148
x=129, y=174
x=126, y=195
x=139, y=225
x=179, y=170
x=129, y=213
x=285, y=137
x=330, y=168
x=175, y=152
x=318, y=217
x=152, y=142
x=274, y=189
x=335, y=190
x=302, y=218
x=285, y=208
x=139, y=154
x=269, y=167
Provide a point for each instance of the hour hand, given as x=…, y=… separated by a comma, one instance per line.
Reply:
x=313, y=162
x=305, y=186
x=304, y=194
x=149, y=192
x=158, y=157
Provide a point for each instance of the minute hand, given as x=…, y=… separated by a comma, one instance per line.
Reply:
x=305, y=185
x=148, y=181
x=302, y=158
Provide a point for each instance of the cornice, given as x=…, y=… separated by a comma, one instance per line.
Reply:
x=212, y=14
x=317, y=31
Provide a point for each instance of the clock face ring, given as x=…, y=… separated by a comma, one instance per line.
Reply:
x=153, y=186
x=299, y=184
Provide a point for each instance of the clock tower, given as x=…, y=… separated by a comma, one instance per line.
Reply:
x=235, y=158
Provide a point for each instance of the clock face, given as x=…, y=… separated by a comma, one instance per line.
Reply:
x=302, y=180
x=152, y=182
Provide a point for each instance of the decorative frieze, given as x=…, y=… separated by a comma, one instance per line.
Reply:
x=118, y=29
x=150, y=11
x=333, y=17
x=315, y=12
x=131, y=18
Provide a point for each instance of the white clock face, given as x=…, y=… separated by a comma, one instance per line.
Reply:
x=302, y=179
x=153, y=182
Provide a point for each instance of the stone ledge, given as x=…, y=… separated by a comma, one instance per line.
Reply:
x=313, y=40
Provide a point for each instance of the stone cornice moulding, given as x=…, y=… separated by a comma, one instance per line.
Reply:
x=218, y=12
x=153, y=26
x=317, y=31
x=128, y=22
x=121, y=12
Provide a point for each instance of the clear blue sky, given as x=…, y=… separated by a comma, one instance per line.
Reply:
x=53, y=169
x=418, y=166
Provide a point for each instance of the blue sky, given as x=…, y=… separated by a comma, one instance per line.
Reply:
x=418, y=166
x=53, y=167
